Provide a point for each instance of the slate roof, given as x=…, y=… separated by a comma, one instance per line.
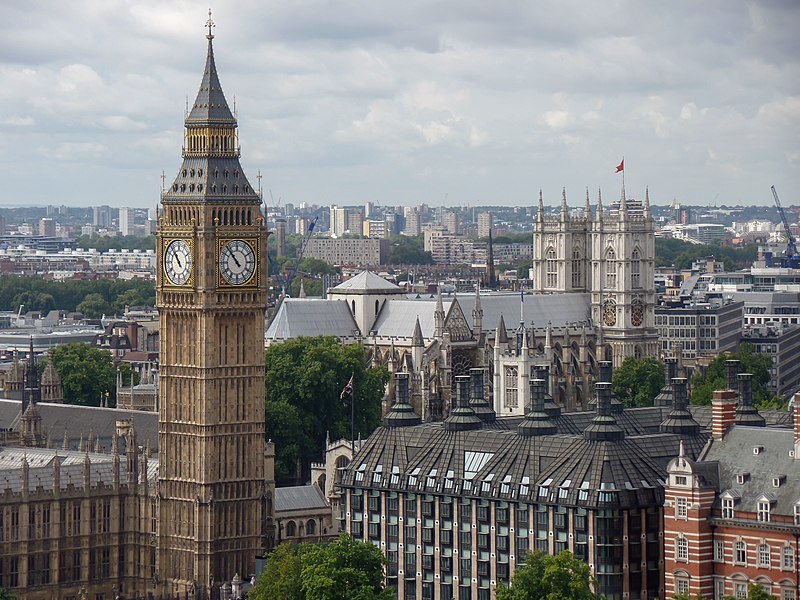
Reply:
x=306, y=317
x=299, y=497
x=367, y=282
x=735, y=454
x=80, y=421
x=398, y=318
x=72, y=464
x=210, y=105
x=538, y=309
x=499, y=462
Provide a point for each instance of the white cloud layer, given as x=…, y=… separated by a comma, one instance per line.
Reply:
x=401, y=103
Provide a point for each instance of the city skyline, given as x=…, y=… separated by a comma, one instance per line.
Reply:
x=443, y=103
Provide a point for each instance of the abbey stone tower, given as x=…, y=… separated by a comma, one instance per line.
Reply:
x=610, y=256
x=214, y=476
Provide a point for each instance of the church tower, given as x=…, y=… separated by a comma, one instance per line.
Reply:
x=211, y=293
x=623, y=267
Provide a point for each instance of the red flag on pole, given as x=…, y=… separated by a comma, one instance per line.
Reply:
x=347, y=388
x=620, y=166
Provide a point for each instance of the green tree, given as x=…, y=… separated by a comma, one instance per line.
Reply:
x=304, y=380
x=545, y=577
x=41, y=301
x=6, y=595
x=281, y=577
x=715, y=376
x=87, y=373
x=343, y=569
x=408, y=250
x=638, y=380
x=94, y=306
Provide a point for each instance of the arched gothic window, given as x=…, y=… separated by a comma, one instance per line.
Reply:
x=636, y=269
x=552, y=269
x=577, y=269
x=611, y=269
x=682, y=549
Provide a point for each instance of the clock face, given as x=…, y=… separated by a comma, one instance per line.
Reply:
x=610, y=314
x=178, y=262
x=237, y=262
x=637, y=314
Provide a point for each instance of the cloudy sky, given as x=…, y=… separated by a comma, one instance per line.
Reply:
x=455, y=102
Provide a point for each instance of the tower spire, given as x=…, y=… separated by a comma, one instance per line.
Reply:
x=209, y=25
x=564, y=209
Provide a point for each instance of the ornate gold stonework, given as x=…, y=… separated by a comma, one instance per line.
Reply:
x=215, y=512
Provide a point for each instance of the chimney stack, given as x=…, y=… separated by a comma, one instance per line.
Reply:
x=723, y=412
x=733, y=371
x=746, y=413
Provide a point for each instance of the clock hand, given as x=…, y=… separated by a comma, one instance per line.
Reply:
x=233, y=256
x=178, y=260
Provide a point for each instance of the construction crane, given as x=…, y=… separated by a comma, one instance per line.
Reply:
x=791, y=242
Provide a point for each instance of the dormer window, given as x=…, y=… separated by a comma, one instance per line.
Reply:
x=778, y=480
x=763, y=511
x=797, y=513
x=728, y=511
x=741, y=478
x=758, y=450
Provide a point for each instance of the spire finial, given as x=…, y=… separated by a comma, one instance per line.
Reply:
x=209, y=25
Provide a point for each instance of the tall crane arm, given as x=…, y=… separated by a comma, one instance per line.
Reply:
x=791, y=245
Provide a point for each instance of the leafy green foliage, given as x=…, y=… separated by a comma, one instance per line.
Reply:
x=638, y=380
x=6, y=595
x=681, y=254
x=94, y=306
x=715, y=376
x=344, y=569
x=559, y=577
x=304, y=381
x=408, y=250
x=87, y=373
x=40, y=294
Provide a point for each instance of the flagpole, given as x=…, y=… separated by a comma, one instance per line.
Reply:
x=623, y=172
x=352, y=418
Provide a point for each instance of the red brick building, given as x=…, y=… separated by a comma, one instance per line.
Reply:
x=733, y=516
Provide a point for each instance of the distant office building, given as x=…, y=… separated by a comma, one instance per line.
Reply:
x=349, y=252
x=413, y=221
x=301, y=225
x=485, y=224
x=47, y=227
x=346, y=220
x=451, y=222
x=781, y=343
x=377, y=228
x=126, y=219
x=101, y=216
x=700, y=233
x=701, y=330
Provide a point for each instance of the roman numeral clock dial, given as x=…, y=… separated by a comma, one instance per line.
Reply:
x=237, y=262
x=178, y=262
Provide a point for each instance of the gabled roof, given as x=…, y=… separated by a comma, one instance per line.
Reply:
x=79, y=421
x=398, y=318
x=736, y=454
x=308, y=317
x=366, y=282
x=538, y=309
x=299, y=497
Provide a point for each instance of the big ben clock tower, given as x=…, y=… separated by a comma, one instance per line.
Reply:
x=214, y=501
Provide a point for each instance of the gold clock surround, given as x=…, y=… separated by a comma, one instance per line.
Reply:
x=171, y=275
x=247, y=250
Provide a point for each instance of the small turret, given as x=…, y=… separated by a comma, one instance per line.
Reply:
x=402, y=413
x=564, y=207
x=477, y=400
x=680, y=420
x=537, y=422
x=462, y=417
x=604, y=427
x=746, y=412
